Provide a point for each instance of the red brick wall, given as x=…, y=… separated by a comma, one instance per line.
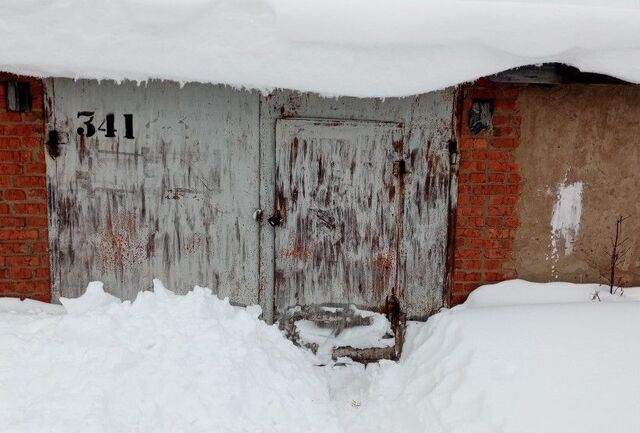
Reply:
x=24, y=261
x=488, y=190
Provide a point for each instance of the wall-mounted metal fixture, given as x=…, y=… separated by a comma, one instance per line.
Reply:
x=480, y=116
x=18, y=96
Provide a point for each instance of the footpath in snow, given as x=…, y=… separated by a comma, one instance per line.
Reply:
x=517, y=357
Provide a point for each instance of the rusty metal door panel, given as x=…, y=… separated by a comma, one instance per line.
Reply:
x=338, y=198
x=170, y=195
x=428, y=130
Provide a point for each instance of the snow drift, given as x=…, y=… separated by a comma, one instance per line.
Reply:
x=163, y=363
x=358, y=48
x=518, y=357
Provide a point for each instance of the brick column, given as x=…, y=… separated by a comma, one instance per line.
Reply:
x=488, y=190
x=24, y=259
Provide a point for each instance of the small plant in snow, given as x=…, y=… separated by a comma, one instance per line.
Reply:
x=609, y=269
x=619, y=250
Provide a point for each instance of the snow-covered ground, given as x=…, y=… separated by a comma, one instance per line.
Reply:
x=517, y=357
x=354, y=47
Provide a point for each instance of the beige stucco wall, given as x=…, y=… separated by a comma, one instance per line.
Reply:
x=578, y=137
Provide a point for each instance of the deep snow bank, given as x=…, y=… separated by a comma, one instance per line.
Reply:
x=193, y=363
x=163, y=363
x=358, y=47
x=535, y=366
x=568, y=368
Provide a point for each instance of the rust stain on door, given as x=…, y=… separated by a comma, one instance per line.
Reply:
x=121, y=248
x=338, y=241
x=154, y=181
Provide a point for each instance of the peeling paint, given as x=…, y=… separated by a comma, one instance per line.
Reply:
x=342, y=217
x=164, y=204
x=565, y=220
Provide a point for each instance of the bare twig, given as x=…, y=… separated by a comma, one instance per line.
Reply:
x=619, y=250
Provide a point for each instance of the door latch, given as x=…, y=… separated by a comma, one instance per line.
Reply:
x=274, y=220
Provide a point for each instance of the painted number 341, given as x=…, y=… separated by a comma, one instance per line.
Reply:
x=107, y=125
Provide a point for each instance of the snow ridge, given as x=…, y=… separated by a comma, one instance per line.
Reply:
x=360, y=48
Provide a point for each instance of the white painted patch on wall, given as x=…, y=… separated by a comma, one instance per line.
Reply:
x=565, y=220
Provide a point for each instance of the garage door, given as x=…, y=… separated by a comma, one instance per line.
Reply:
x=153, y=181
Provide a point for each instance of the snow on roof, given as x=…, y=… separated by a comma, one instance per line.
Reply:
x=354, y=47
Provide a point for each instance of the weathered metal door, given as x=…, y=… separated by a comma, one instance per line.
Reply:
x=153, y=181
x=395, y=225
x=339, y=194
x=162, y=181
